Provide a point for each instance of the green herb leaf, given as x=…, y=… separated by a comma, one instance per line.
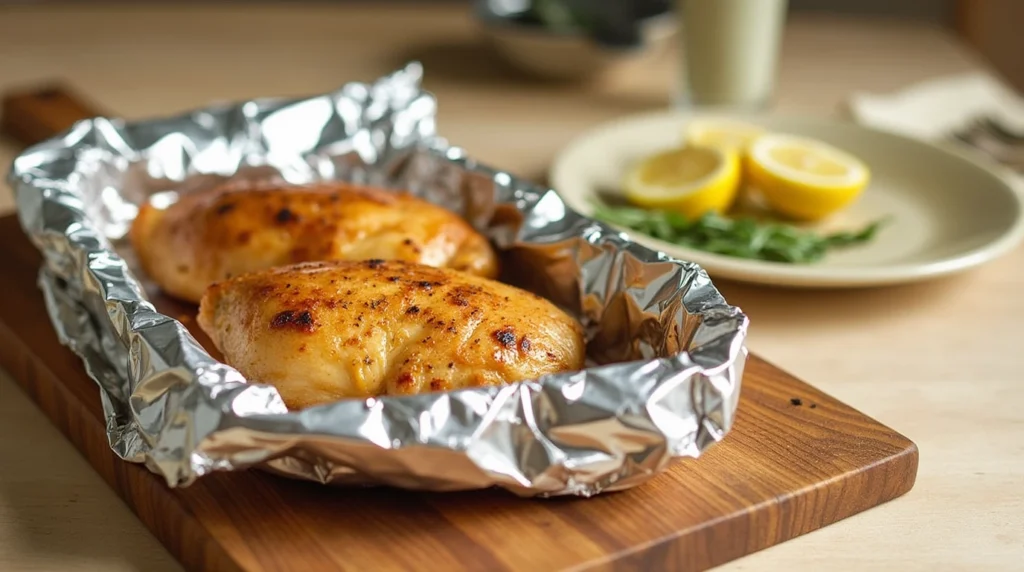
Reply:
x=740, y=238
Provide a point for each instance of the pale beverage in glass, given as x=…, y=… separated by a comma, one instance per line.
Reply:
x=729, y=51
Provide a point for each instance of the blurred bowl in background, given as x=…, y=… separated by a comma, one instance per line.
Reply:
x=570, y=54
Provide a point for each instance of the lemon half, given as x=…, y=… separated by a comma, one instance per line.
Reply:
x=690, y=180
x=727, y=134
x=804, y=178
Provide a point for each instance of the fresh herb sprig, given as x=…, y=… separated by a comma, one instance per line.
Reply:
x=740, y=237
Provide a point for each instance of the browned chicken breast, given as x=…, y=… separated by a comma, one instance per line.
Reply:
x=321, y=332
x=226, y=231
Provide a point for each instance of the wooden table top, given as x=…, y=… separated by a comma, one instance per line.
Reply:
x=939, y=361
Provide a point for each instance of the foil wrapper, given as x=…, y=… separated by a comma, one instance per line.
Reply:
x=666, y=352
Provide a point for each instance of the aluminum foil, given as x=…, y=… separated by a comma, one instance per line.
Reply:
x=666, y=351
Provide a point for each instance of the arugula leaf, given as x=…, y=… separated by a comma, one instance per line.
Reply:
x=741, y=237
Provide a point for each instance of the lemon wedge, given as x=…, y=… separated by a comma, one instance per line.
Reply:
x=803, y=178
x=689, y=180
x=725, y=134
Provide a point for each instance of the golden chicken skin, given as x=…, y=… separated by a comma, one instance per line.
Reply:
x=229, y=230
x=321, y=332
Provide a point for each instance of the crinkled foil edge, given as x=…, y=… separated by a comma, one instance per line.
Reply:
x=170, y=405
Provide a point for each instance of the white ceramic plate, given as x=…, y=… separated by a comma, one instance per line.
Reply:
x=948, y=211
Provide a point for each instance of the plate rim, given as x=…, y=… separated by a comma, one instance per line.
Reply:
x=804, y=276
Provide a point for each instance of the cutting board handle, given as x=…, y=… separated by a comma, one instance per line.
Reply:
x=37, y=114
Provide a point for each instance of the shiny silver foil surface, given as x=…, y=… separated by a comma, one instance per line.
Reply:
x=666, y=350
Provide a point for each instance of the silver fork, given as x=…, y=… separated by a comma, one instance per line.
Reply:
x=995, y=139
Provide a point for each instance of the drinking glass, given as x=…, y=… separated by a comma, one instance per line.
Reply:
x=730, y=50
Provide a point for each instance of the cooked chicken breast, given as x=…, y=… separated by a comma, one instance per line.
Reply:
x=226, y=231
x=321, y=332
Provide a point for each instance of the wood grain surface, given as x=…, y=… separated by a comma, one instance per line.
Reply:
x=795, y=461
x=33, y=114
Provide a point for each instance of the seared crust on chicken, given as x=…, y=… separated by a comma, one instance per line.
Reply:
x=321, y=332
x=226, y=231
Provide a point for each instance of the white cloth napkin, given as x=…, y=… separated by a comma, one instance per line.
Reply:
x=934, y=109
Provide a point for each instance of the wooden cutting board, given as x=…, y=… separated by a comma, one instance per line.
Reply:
x=795, y=461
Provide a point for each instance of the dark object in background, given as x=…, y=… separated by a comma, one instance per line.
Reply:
x=607, y=22
x=576, y=39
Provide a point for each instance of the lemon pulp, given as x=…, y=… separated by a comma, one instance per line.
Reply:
x=804, y=178
x=677, y=168
x=730, y=135
x=690, y=180
x=807, y=161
